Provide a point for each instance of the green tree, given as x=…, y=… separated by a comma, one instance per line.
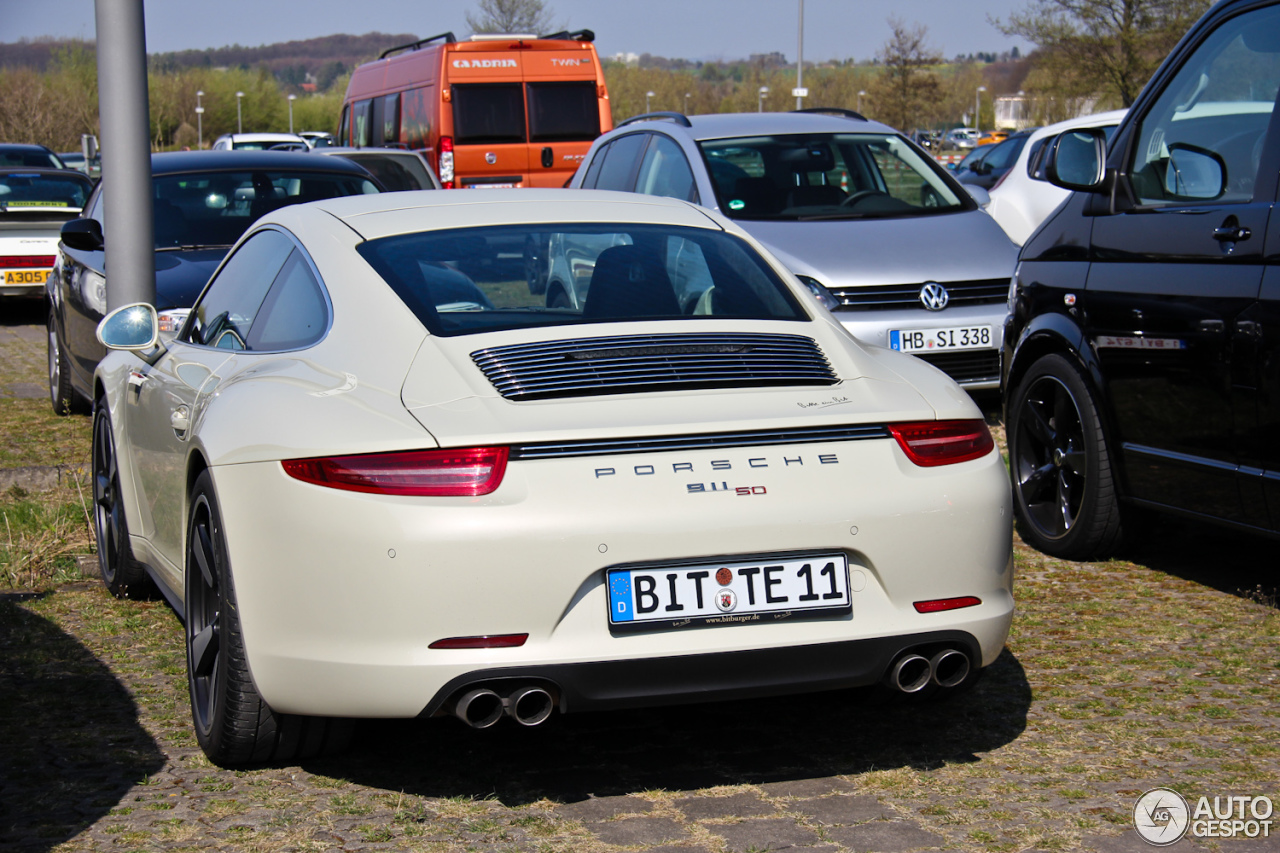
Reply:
x=513, y=16
x=907, y=93
x=1105, y=49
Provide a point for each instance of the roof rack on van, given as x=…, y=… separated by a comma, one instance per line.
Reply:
x=448, y=37
x=679, y=118
x=833, y=111
x=576, y=35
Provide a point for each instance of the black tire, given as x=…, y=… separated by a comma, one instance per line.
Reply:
x=1064, y=494
x=535, y=264
x=124, y=576
x=557, y=298
x=63, y=397
x=234, y=726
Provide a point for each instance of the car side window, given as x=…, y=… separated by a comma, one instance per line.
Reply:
x=619, y=167
x=1203, y=137
x=295, y=313
x=665, y=171
x=593, y=169
x=226, y=310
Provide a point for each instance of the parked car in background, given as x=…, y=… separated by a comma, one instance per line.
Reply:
x=203, y=202
x=396, y=169
x=961, y=137
x=75, y=160
x=878, y=230
x=991, y=167
x=256, y=141
x=930, y=140
x=1142, y=348
x=34, y=203
x=19, y=154
x=376, y=488
x=991, y=137
x=1025, y=197
x=317, y=138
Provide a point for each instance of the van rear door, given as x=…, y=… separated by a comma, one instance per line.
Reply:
x=490, y=143
x=563, y=94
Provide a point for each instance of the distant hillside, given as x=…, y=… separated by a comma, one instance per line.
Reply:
x=293, y=62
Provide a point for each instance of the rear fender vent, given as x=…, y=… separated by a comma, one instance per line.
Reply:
x=635, y=364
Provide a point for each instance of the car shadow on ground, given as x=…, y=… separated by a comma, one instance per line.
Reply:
x=1238, y=564
x=688, y=747
x=22, y=312
x=58, y=775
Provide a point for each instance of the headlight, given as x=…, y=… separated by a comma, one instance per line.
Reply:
x=94, y=288
x=171, y=321
x=826, y=297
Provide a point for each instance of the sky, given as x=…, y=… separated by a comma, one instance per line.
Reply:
x=685, y=29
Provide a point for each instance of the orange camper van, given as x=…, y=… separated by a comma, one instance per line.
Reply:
x=494, y=111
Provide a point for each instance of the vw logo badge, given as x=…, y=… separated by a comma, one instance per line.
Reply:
x=490, y=158
x=934, y=296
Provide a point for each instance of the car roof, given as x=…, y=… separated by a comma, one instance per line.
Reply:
x=24, y=146
x=261, y=137
x=45, y=170
x=1095, y=120
x=725, y=125
x=176, y=162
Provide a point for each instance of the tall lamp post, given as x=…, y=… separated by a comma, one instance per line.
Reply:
x=239, y=120
x=800, y=90
x=686, y=103
x=199, y=122
x=861, y=92
x=291, y=100
x=764, y=90
x=977, y=108
x=647, y=96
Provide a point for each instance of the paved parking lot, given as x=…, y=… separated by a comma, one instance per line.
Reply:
x=1118, y=677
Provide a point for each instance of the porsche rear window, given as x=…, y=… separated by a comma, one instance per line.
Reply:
x=465, y=281
x=37, y=191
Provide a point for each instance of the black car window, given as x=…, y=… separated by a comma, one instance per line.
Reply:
x=1203, y=137
x=563, y=111
x=227, y=308
x=488, y=112
x=665, y=171
x=593, y=168
x=619, y=169
x=36, y=191
x=294, y=313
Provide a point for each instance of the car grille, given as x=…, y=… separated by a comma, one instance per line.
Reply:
x=884, y=297
x=638, y=363
x=754, y=438
x=973, y=366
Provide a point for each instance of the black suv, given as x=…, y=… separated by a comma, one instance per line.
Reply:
x=1141, y=360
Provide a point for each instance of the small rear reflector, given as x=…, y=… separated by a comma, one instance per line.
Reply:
x=932, y=443
x=466, y=471
x=488, y=641
x=940, y=604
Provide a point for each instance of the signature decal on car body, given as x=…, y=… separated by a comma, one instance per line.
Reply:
x=717, y=465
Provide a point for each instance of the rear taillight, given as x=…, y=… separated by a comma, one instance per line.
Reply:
x=931, y=443
x=15, y=261
x=487, y=641
x=940, y=605
x=446, y=162
x=468, y=471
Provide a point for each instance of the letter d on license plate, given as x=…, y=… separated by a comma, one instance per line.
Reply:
x=725, y=593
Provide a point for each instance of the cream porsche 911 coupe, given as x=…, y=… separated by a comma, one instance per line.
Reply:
x=375, y=486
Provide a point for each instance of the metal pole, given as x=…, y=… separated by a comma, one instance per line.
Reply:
x=977, y=109
x=800, y=58
x=239, y=122
x=291, y=97
x=199, y=122
x=124, y=114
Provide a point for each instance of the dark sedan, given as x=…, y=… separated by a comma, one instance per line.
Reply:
x=988, y=170
x=202, y=201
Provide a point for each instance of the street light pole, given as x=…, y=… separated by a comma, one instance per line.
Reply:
x=800, y=59
x=647, y=96
x=860, y=94
x=764, y=90
x=291, y=98
x=977, y=108
x=239, y=120
x=199, y=122
x=686, y=103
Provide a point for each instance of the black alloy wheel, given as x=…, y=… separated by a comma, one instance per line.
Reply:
x=123, y=575
x=1064, y=490
x=234, y=726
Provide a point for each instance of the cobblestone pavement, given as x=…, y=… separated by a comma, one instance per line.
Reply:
x=1118, y=677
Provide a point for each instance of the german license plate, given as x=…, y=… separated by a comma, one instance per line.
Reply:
x=942, y=339
x=725, y=593
x=25, y=276
x=492, y=186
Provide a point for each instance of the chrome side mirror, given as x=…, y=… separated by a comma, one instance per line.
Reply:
x=131, y=327
x=1077, y=159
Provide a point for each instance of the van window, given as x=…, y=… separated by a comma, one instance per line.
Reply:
x=361, y=123
x=415, y=117
x=344, y=128
x=619, y=169
x=390, y=119
x=563, y=112
x=488, y=112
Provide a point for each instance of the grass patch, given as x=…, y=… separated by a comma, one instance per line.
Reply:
x=40, y=536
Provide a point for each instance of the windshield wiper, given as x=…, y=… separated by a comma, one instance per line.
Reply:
x=191, y=247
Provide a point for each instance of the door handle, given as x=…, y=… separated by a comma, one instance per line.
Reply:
x=548, y=157
x=180, y=419
x=1231, y=233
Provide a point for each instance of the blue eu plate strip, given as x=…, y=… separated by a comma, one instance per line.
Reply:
x=621, y=607
x=895, y=340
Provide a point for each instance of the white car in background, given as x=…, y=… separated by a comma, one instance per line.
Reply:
x=376, y=487
x=1024, y=197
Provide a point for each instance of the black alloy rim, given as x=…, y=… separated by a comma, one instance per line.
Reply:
x=1050, y=460
x=203, y=614
x=108, y=513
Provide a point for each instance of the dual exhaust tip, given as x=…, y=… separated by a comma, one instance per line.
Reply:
x=482, y=707
x=913, y=673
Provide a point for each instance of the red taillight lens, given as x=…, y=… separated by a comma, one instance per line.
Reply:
x=937, y=605
x=488, y=641
x=445, y=165
x=15, y=261
x=468, y=471
x=931, y=443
